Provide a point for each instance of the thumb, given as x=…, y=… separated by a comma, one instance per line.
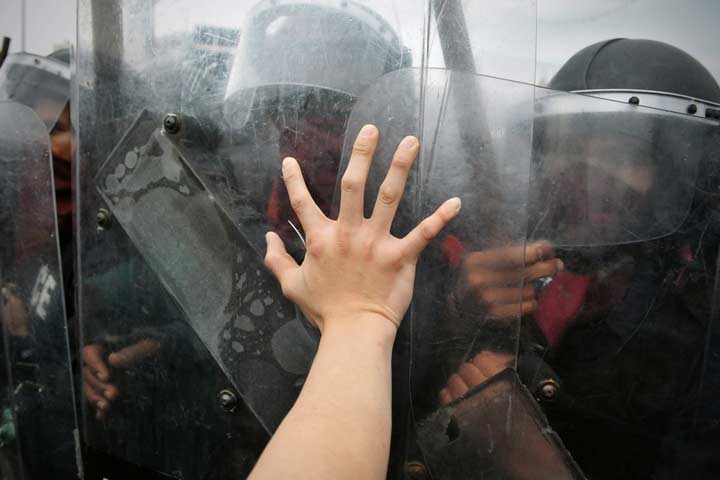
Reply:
x=277, y=259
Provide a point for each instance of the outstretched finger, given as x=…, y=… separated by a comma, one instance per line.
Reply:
x=393, y=186
x=512, y=256
x=416, y=241
x=352, y=199
x=301, y=201
x=128, y=356
x=108, y=390
x=92, y=356
x=277, y=259
x=512, y=311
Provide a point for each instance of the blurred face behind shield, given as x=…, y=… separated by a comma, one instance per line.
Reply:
x=584, y=194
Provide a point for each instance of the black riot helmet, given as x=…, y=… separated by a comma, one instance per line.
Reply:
x=618, y=144
x=634, y=64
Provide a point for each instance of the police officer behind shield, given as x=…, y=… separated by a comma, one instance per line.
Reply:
x=622, y=326
x=36, y=334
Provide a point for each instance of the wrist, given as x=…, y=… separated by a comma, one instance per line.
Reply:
x=370, y=326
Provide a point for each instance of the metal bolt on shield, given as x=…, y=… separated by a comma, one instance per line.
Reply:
x=227, y=400
x=103, y=219
x=548, y=390
x=171, y=123
x=415, y=471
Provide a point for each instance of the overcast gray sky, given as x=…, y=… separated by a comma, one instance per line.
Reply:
x=503, y=32
x=50, y=24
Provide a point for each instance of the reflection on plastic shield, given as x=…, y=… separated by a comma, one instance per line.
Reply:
x=495, y=431
x=37, y=417
x=210, y=269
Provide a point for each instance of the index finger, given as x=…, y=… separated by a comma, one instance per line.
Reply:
x=510, y=257
x=92, y=356
x=301, y=201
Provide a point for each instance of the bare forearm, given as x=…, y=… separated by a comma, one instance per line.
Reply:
x=339, y=428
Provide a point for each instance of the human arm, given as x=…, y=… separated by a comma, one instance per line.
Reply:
x=355, y=284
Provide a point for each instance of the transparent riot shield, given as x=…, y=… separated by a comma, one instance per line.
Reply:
x=183, y=121
x=611, y=330
x=483, y=152
x=39, y=435
x=562, y=321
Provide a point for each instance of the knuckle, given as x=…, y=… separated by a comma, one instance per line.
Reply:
x=476, y=280
x=368, y=246
x=467, y=372
x=315, y=245
x=455, y=381
x=269, y=260
x=290, y=175
x=387, y=196
x=297, y=202
x=362, y=148
x=343, y=242
x=402, y=162
x=487, y=296
x=427, y=229
x=350, y=184
x=287, y=291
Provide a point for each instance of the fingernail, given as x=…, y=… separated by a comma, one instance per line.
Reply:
x=106, y=393
x=286, y=162
x=409, y=143
x=456, y=203
x=367, y=130
x=101, y=405
x=560, y=265
x=101, y=376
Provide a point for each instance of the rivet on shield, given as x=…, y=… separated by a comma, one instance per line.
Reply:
x=172, y=123
x=548, y=390
x=103, y=219
x=227, y=400
x=415, y=471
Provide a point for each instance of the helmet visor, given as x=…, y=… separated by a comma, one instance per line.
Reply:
x=40, y=83
x=611, y=173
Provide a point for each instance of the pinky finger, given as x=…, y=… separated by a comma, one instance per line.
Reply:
x=428, y=229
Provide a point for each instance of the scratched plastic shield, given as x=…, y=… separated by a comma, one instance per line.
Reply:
x=174, y=208
x=38, y=431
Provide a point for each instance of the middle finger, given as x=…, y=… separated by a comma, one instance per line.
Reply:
x=352, y=199
x=392, y=188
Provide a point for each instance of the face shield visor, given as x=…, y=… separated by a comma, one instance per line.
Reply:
x=612, y=172
x=336, y=45
x=299, y=69
x=40, y=83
